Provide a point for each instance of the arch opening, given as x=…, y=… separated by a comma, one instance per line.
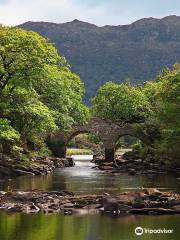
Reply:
x=126, y=143
x=83, y=143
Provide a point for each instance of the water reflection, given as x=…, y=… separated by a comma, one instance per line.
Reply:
x=95, y=227
x=83, y=179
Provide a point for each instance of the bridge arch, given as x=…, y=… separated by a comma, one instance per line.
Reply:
x=126, y=142
x=95, y=148
x=76, y=132
x=108, y=132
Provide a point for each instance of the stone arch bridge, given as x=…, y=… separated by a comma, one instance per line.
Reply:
x=108, y=132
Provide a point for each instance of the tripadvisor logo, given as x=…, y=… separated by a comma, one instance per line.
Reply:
x=139, y=231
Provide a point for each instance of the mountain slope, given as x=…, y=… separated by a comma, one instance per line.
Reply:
x=137, y=51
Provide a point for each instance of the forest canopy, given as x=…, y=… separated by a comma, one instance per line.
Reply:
x=121, y=103
x=38, y=91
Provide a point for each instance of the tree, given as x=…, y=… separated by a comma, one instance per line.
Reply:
x=38, y=92
x=153, y=109
x=8, y=135
x=121, y=103
x=63, y=93
x=23, y=58
x=164, y=95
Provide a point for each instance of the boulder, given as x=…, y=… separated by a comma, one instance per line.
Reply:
x=4, y=171
x=112, y=206
x=149, y=172
x=68, y=211
x=132, y=172
x=154, y=210
x=139, y=205
x=31, y=208
x=68, y=205
x=104, y=167
x=177, y=207
x=153, y=191
x=70, y=161
x=19, y=172
x=124, y=203
x=15, y=208
x=93, y=206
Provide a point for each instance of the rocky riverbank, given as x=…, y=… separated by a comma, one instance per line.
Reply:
x=147, y=201
x=34, y=166
x=132, y=166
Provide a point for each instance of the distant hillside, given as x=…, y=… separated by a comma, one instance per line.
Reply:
x=98, y=54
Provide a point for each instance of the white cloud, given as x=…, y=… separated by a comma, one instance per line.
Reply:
x=17, y=11
x=100, y=12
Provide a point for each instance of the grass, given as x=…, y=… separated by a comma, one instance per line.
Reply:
x=78, y=151
x=83, y=151
x=121, y=151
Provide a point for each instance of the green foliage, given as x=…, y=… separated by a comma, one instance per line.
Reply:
x=164, y=97
x=23, y=57
x=154, y=111
x=121, y=103
x=7, y=132
x=94, y=138
x=8, y=136
x=28, y=115
x=63, y=94
x=38, y=92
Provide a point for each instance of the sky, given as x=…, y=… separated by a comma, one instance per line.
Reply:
x=99, y=12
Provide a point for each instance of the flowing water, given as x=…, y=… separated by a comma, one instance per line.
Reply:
x=84, y=179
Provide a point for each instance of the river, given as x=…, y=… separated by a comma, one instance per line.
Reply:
x=83, y=179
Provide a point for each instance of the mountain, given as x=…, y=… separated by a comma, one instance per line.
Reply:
x=137, y=51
